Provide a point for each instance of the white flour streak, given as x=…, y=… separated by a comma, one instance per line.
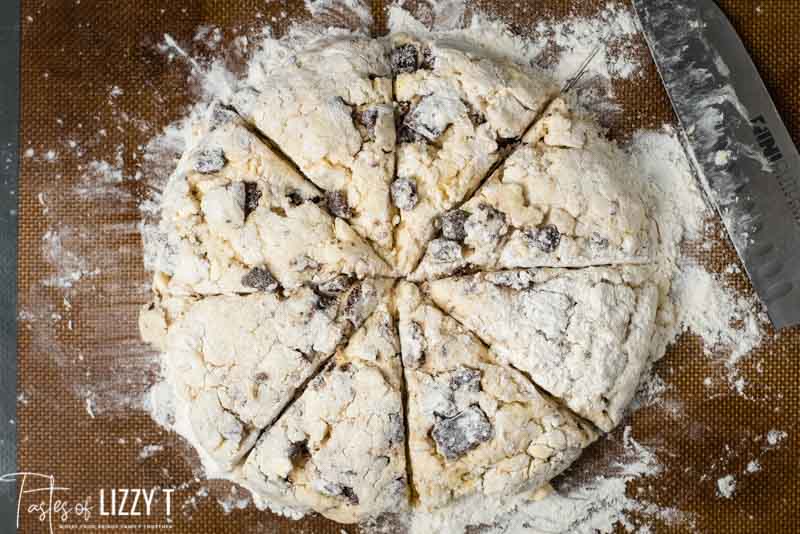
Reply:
x=331, y=11
x=69, y=266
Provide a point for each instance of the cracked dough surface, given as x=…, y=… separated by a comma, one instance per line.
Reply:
x=475, y=425
x=458, y=111
x=301, y=360
x=582, y=335
x=234, y=205
x=236, y=375
x=566, y=197
x=329, y=108
x=340, y=449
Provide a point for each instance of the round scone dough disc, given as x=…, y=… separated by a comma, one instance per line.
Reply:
x=340, y=449
x=475, y=426
x=237, y=218
x=298, y=369
x=235, y=362
x=566, y=197
x=583, y=335
x=328, y=107
x=458, y=110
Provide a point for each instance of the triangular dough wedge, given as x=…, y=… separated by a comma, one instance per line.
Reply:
x=328, y=106
x=459, y=110
x=237, y=218
x=583, y=335
x=234, y=362
x=340, y=449
x=566, y=197
x=475, y=426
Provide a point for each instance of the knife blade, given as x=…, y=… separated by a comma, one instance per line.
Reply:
x=740, y=148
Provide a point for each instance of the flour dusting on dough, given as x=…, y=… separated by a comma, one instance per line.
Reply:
x=692, y=298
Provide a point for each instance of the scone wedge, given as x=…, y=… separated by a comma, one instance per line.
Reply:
x=566, y=197
x=328, y=107
x=235, y=362
x=581, y=335
x=457, y=112
x=476, y=426
x=239, y=219
x=339, y=450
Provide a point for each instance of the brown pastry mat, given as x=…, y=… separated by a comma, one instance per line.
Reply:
x=78, y=342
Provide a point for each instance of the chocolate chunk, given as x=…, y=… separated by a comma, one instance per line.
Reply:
x=295, y=198
x=407, y=135
x=444, y=250
x=404, y=59
x=457, y=435
x=350, y=495
x=505, y=142
x=299, y=451
x=428, y=61
x=413, y=345
x=324, y=302
x=401, y=110
x=332, y=489
x=261, y=279
x=335, y=285
x=356, y=307
x=466, y=378
x=367, y=119
x=337, y=204
x=397, y=429
x=261, y=377
x=476, y=117
x=545, y=238
x=404, y=193
x=453, y=225
x=210, y=160
x=252, y=194
x=514, y=279
x=598, y=241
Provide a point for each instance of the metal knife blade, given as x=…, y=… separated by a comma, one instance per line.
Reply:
x=743, y=154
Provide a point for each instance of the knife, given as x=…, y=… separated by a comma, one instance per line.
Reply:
x=740, y=148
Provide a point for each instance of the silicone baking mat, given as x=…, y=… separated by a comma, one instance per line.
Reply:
x=94, y=88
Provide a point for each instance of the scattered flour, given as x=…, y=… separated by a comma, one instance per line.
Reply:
x=341, y=11
x=608, y=34
x=149, y=451
x=235, y=499
x=597, y=505
x=726, y=486
x=716, y=313
x=693, y=299
x=753, y=466
x=699, y=301
x=774, y=437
